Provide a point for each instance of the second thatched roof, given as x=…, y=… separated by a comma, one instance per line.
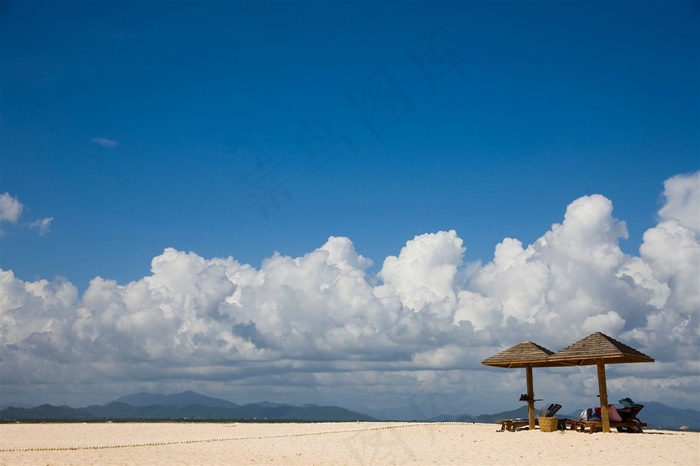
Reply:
x=597, y=348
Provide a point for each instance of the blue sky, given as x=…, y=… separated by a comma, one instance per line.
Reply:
x=544, y=103
x=243, y=129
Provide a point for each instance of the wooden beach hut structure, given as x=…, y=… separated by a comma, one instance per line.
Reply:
x=523, y=355
x=598, y=350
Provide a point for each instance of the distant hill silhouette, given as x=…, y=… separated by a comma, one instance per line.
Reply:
x=45, y=412
x=662, y=416
x=183, y=406
x=516, y=413
x=179, y=400
x=194, y=406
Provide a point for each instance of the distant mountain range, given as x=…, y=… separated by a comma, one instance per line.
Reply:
x=193, y=406
x=183, y=406
x=176, y=400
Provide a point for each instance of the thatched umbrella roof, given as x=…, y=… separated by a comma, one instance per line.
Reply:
x=599, y=349
x=523, y=354
x=596, y=348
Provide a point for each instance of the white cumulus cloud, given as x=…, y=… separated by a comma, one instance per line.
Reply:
x=318, y=327
x=682, y=193
x=10, y=208
x=43, y=225
x=105, y=142
x=423, y=275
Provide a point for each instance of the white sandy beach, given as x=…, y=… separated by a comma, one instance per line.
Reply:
x=333, y=444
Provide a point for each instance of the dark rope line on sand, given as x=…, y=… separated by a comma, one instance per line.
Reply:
x=230, y=439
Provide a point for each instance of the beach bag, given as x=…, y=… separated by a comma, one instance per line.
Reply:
x=627, y=403
x=614, y=415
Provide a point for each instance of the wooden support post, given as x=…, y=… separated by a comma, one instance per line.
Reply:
x=603, y=390
x=530, y=398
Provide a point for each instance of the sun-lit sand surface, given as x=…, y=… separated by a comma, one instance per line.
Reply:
x=333, y=443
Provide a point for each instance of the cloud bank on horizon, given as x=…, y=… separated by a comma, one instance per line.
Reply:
x=320, y=327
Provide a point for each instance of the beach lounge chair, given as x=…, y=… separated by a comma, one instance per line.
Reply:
x=630, y=414
x=549, y=411
x=593, y=426
x=511, y=425
x=629, y=423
